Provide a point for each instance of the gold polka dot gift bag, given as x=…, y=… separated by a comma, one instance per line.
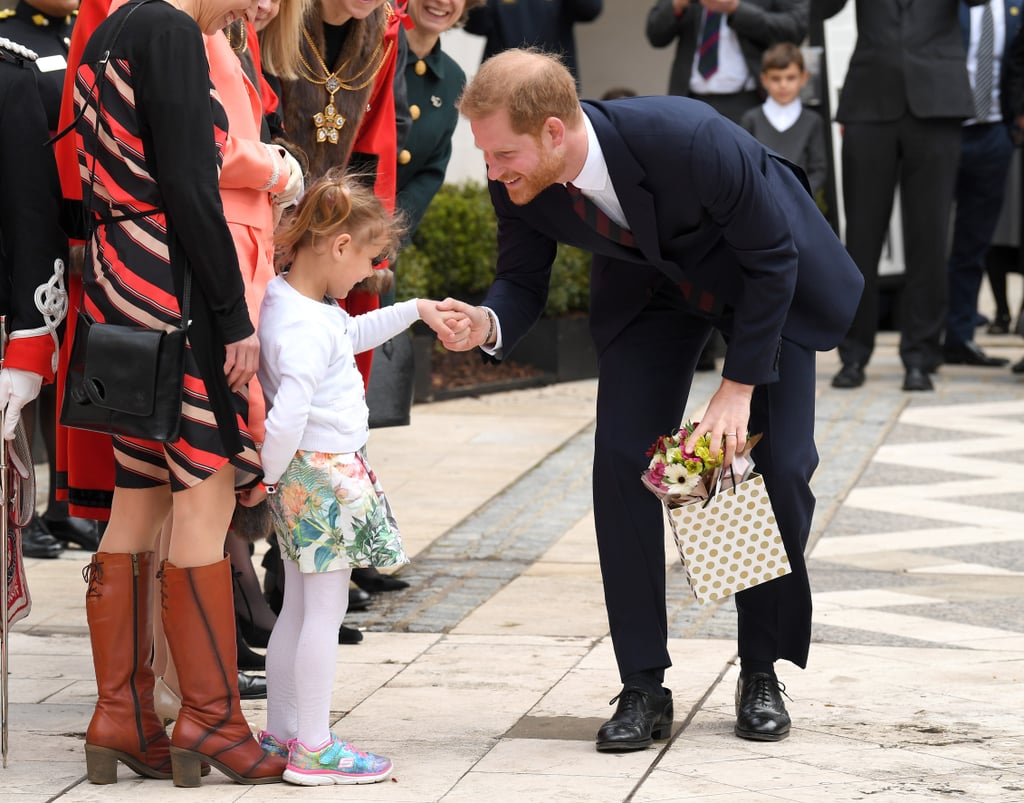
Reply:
x=729, y=541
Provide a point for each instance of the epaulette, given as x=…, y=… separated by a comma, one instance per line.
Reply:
x=7, y=13
x=12, y=51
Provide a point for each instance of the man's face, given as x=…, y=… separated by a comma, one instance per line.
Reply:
x=526, y=164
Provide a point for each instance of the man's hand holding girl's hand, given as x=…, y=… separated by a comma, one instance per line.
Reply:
x=459, y=326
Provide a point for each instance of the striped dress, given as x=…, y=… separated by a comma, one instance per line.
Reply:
x=149, y=173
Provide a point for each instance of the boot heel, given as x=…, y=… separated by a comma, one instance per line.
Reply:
x=661, y=732
x=100, y=765
x=186, y=767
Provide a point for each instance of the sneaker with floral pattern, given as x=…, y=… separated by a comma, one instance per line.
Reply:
x=335, y=762
x=272, y=745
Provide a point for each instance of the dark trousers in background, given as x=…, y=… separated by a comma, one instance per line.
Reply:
x=980, y=188
x=921, y=156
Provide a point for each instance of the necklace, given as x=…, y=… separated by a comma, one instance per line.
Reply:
x=329, y=122
x=236, y=36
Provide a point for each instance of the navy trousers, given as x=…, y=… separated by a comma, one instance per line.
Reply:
x=985, y=155
x=645, y=377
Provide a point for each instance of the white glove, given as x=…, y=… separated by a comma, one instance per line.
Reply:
x=296, y=183
x=17, y=388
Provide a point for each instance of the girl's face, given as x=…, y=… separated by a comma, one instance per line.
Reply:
x=436, y=16
x=352, y=260
x=214, y=15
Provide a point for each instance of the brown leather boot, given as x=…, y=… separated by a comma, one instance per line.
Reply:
x=199, y=621
x=124, y=726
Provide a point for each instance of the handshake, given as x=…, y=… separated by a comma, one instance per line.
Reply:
x=460, y=326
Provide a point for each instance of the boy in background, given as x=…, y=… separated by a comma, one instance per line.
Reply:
x=781, y=122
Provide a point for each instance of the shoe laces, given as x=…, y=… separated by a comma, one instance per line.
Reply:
x=765, y=684
x=631, y=698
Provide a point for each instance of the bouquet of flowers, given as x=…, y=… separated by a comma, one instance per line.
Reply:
x=678, y=477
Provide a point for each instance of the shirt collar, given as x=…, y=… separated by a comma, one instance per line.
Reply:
x=594, y=175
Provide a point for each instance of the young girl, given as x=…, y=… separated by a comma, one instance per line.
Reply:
x=330, y=513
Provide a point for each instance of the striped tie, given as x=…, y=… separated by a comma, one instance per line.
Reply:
x=707, y=47
x=591, y=214
x=983, y=68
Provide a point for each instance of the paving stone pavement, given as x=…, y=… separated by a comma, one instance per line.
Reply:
x=487, y=679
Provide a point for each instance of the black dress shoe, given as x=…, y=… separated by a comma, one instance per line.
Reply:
x=252, y=687
x=358, y=600
x=970, y=353
x=373, y=581
x=73, y=530
x=1001, y=324
x=639, y=719
x=36, y=541
x=349, y=635
x=760, y=713
x=917, y=379
x=851, y=375
x=247, y=658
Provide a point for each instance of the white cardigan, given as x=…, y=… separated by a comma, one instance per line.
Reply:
x=314, y=392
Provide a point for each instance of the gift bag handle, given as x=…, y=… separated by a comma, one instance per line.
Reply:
x=718, y=484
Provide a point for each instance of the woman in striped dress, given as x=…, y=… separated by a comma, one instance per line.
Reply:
x=150, y=149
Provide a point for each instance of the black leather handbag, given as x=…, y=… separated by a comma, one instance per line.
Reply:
x=126, y=380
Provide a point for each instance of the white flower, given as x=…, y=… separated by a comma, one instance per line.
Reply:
x=680, y=480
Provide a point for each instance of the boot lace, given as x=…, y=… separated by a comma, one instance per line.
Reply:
x=92, y=574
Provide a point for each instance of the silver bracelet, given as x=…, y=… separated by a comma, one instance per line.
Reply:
x=491, y=330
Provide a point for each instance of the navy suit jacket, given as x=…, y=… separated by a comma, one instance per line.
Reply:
x=707, y=204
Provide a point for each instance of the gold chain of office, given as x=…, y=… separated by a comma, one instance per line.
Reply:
x=328, y=122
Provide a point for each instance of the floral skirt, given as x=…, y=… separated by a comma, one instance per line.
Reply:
x=330, y=513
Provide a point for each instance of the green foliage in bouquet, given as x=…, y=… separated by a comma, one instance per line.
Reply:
x=455, y=250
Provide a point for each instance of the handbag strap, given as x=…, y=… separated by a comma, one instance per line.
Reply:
x=91, y=219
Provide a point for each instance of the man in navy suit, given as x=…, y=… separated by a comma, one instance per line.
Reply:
x=704, y=228
x=985, y=154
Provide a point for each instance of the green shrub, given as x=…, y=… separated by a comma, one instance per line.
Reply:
x=455, y=250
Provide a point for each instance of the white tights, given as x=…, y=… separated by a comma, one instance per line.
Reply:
x=302, y=654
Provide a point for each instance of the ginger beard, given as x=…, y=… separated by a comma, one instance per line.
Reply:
x=524, y=188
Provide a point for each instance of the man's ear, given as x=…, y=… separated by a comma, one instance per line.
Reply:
x=555, y=130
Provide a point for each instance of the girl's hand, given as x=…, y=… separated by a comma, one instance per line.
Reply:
x=726, y=419
x=241, y=359
x=459, y=326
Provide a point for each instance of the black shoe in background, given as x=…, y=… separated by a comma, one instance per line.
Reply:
x=36, y=541
x=252, y=687
x=373, y=581
x=73, y=530
x=917, y=379
x=349, y=635
x=358, y=600
x=970, y=353
x=851, y=375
